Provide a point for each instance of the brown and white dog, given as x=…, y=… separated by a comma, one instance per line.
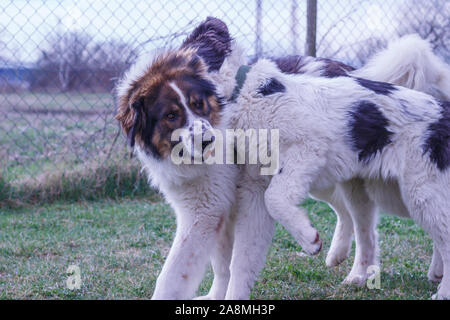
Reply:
x=157, y=97
x=186, y=86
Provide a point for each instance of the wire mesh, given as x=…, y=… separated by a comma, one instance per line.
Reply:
x=59, y=60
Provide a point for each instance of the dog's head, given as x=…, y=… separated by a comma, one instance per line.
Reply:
x=174, y=91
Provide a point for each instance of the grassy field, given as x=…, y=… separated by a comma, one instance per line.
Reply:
x=56, y=176
x=58, y=146
x=120, y=247
x=42, y=131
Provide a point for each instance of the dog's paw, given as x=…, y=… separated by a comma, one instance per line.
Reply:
x=207, y=297
x=355, y=279
x=434, y=278
x=335, y=257
x=435, y=272
x=442, y=293
x=438, y=296
x=313, y=248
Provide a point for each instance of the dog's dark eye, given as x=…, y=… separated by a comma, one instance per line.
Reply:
x=198, y=105
x=171, y=116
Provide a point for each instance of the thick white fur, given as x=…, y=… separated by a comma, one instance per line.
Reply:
x=204, y=196
x=312, y=116
x=409, y=62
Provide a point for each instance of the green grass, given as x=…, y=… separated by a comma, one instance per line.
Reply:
x=47, y=131
x=63, y=146
x=114, y=179
x=65, y=199
x=120, y=247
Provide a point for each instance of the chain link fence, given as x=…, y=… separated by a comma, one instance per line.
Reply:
x=59, y=61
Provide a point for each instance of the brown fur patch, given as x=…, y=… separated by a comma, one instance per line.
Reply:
x=219, y=225
x=161, y=144
x=162, y=111
x=167, y=67
x=216, y=108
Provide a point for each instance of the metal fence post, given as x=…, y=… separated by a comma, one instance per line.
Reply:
x=294, y=26
x=311, y=28
x=58, y=68
x=258, y=43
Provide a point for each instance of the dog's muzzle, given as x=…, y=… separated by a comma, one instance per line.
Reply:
x=200, y=135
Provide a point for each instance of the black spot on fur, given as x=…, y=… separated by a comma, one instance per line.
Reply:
x=368, y=130
x=290, y=64
x=198, y=84
x=137, y=120
x=212, y=41
x=377, y=87
x=333, y=69
x=297, y=64
x=205, y=86
x=438, y=141
x=270, y=87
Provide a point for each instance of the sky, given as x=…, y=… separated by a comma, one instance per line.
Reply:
x=24, y=25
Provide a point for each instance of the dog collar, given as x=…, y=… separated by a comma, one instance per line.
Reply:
x=241, y=75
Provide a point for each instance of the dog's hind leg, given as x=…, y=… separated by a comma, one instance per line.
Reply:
x=440, y=234
x=364, y=214
x=444, y=249
x=427, y=197
x=343, y=232
x=288, y=188
x=253, y=234
x=435, y=218
x=436, y=270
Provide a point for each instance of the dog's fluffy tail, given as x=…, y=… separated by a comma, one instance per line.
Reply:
x=409, y=62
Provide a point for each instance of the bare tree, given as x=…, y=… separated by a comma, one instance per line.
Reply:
x=111, y=55
x=77, y=62
x=366, y=48
x=431, y=20
x=67, y=54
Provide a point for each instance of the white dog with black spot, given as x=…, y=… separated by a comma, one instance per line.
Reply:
x=336, y=133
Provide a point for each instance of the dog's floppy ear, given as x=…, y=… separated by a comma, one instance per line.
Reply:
x=129, y=117
x=212, y=41
x=137, y=107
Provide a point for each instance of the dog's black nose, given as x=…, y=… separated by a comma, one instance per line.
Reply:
x=205, y=144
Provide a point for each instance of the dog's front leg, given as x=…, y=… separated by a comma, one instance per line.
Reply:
x=183, y=270
x=288, y=188
x=220, y=261
x=253, y=235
